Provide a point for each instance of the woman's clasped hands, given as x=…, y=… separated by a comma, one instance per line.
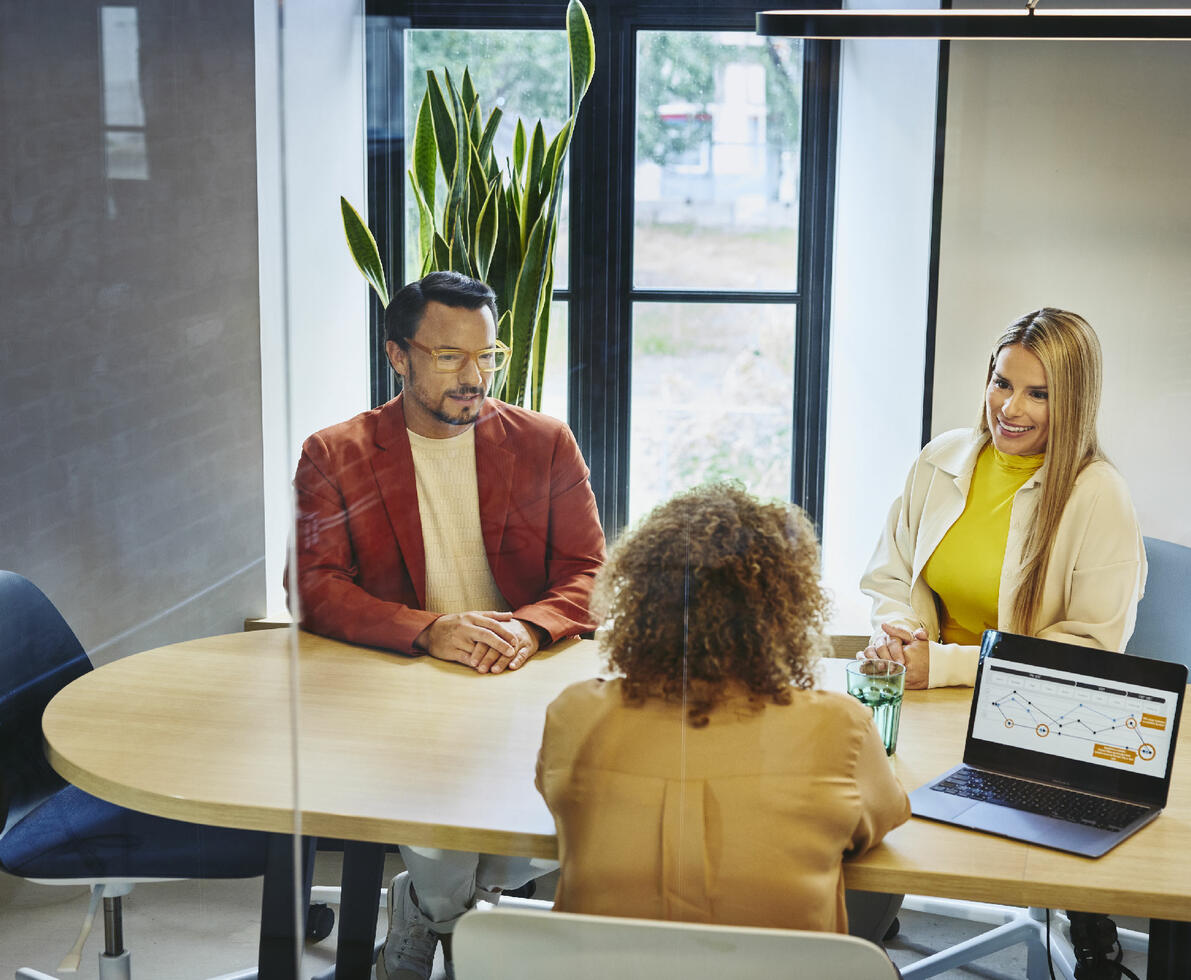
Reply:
x=899, y=644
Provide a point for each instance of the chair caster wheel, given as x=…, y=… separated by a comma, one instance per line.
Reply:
x=320, y=920
x=892, y=931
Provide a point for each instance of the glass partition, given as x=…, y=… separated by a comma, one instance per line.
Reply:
x=132, y=491
x=180, y=312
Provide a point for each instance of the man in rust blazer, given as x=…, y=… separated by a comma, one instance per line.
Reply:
x=361, y=561
x=447, y=524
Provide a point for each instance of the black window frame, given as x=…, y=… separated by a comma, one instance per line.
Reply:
x=601, y=294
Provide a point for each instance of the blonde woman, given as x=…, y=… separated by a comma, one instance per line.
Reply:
x=1020, y=524
x=710, y=782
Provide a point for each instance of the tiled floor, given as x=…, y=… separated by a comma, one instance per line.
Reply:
x=188, y=930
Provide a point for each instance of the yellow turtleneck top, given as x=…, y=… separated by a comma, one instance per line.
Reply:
x=965, y=569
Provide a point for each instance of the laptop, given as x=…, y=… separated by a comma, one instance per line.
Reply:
x=1067, y=747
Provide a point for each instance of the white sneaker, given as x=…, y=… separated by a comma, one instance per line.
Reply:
x=408, y=952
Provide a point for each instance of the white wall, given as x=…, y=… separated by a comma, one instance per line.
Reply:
x=1067, y=184
x=314, y=318
x=878, y=326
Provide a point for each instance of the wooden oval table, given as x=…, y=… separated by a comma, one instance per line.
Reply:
x=284, y=731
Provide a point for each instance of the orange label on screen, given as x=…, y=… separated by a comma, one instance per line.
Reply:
x=1156, y=722
x=1114, y=753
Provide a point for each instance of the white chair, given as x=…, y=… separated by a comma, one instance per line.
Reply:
x=1159, y=634
x=503, y=944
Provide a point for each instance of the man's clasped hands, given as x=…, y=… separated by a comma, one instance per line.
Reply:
x=488, y=642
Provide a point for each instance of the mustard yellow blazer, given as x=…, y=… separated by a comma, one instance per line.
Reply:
x=746, y=821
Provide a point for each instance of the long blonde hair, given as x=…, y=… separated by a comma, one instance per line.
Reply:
x=1070, y=353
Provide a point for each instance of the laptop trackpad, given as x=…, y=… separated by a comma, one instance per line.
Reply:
x=1037, y=829
x=927, y=802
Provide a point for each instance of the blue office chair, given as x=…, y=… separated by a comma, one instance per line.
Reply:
x=54, y=833
x=1160, y=634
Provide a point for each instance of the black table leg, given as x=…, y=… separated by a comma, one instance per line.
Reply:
x=1169, y=957
x=283, y=923
x=359, y=901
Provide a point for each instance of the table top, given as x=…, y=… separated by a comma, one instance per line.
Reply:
x=417, y=751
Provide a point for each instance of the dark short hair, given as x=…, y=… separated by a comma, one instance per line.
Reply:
x=404, y=313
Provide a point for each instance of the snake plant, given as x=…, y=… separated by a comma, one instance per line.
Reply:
x=497, y=225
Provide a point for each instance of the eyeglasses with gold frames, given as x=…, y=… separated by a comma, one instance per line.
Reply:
x=449, y=360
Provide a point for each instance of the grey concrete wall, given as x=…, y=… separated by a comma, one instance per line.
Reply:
x=130, y=412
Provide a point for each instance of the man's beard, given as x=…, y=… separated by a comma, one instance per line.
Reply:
x=466, y=390
x=410, y=386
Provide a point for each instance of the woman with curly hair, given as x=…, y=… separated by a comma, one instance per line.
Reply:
x=710, y=781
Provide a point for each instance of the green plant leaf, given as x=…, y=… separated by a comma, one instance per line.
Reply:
x=467, y=91
x=540, y=334
x=485, y=234
x=474, y=133
x=519, y=148
x=444, y=124
x=537, y=151
x=497, y=275
x=457, y=192
x=486, y=140
x=555, y=155
x=364, y=251
x=477, y=194
x=504, y=333
x=531, y=203
x=441, y=253
x=525, y=313
x=514, y=194
x=516, y=250
x=581, y=45
x=554, y=191
x=460, y=262
x=424, y=154
x=425, y=219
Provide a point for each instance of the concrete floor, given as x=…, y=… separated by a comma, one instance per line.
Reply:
x=923, y=934
x=188, y=930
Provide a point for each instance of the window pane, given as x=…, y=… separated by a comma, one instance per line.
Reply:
x=713, y=393
x=120, y=38
x=524, y=73
x=554, y=390
x=717, y=161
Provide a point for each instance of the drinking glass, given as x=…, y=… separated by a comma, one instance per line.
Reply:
x=880, y=684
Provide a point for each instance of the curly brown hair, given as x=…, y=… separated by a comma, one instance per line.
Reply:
x=713, y=587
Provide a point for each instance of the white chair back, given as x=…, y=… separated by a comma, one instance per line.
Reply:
x=503, y=943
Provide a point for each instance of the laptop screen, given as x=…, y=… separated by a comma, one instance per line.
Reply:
x=1100, y=722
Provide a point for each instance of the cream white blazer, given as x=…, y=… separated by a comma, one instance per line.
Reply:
x=1097, y=567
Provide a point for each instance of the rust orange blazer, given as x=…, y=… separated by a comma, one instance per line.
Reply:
x=361, y=562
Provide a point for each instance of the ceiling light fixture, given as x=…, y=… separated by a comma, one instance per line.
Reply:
x=1026, y=23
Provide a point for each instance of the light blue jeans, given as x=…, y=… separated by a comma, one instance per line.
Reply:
x=447, y=883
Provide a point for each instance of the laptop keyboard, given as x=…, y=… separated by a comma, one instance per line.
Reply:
x=1050, y=801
